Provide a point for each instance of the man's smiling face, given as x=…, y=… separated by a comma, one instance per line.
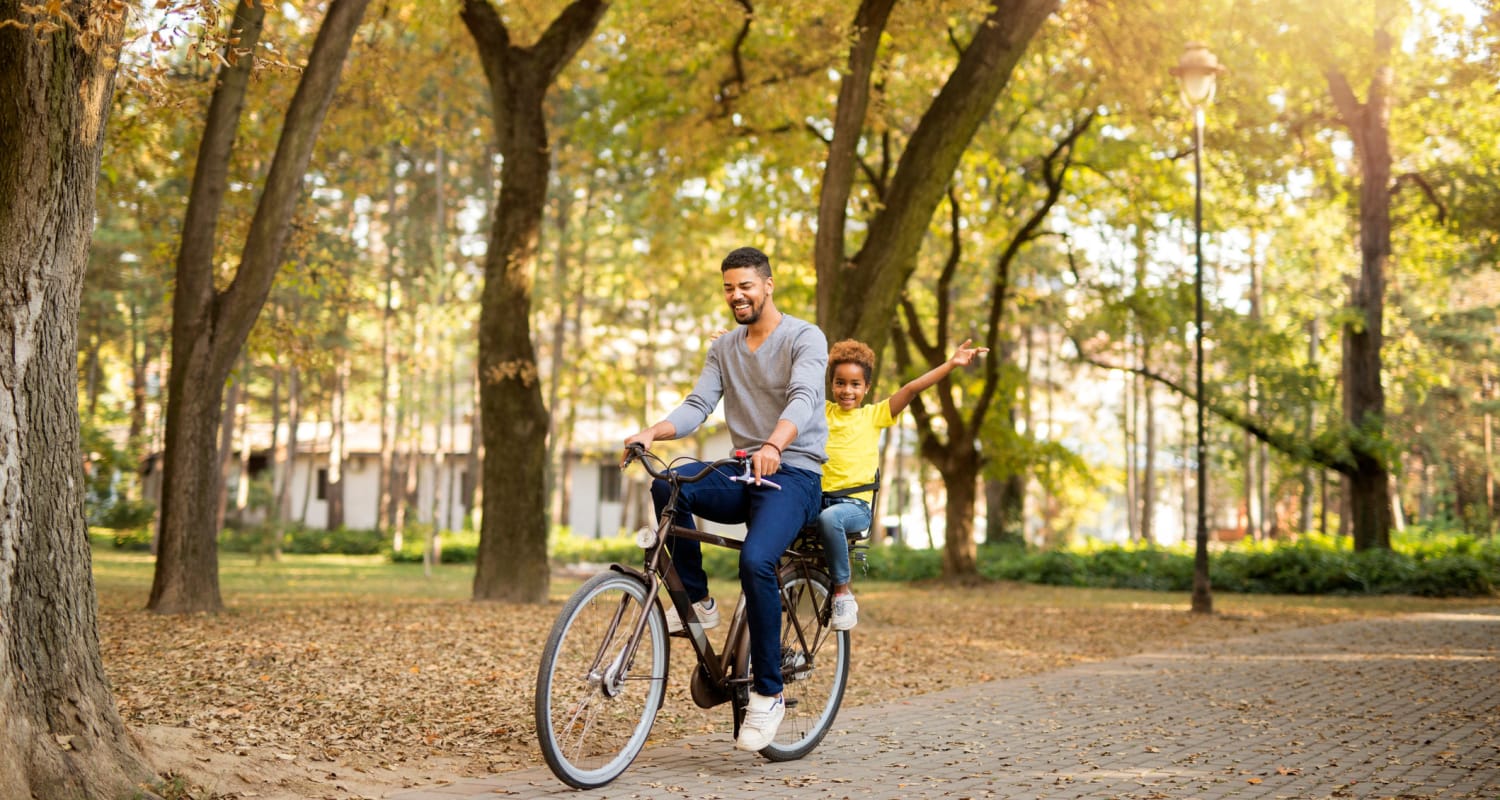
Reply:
x=746, y=292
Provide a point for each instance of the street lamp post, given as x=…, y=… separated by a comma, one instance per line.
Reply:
x=1197, y=72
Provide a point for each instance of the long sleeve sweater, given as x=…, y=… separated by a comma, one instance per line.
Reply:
x=782, y=379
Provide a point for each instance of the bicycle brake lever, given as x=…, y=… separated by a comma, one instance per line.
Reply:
x=749, y=477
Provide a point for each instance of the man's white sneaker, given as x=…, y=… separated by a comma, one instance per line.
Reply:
x=845, y=612
x=706, y=609
x=762, y=717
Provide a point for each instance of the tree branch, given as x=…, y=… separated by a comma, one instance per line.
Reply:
x=843, y=150
x=1294, y=445
x=1421, y=182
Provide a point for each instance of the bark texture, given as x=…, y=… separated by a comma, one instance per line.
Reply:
x=1364, y=396
x=60, y=733
x=512, y=562
x=858, y=296
x=209, y=327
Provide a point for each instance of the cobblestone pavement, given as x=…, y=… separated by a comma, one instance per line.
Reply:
x=1404, y=708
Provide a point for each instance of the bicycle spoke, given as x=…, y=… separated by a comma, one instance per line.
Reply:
x=599, y=687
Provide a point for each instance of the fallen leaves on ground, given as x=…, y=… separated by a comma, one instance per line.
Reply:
x=359, y=691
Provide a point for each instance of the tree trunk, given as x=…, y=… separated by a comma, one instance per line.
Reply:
x=1369, y=501
x=960, y=476
x=512, y=563
x=336, y=446
x=288, y=466
x=140, y=359
x=60, y=732
x=560, y=297
x=1486, y=393
x=384, y=511
x=209, y=327
x=225, y=450
x=1310, y=421
x=858, y=297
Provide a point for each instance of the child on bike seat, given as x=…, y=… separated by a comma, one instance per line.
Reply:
x=853, y=454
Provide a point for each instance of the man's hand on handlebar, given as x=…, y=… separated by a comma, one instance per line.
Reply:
x=636, y=445
x=765, y=462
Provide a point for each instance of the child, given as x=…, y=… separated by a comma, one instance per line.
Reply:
x=853, y=454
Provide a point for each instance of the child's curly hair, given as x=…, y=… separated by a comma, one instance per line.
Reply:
x=850, y=351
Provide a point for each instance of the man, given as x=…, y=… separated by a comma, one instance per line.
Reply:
x=769, y=372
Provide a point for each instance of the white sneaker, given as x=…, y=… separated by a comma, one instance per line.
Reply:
x=845, y=612
x=762, y=717
x=706, y=610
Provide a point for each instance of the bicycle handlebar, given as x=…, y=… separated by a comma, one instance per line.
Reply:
x=636, y=451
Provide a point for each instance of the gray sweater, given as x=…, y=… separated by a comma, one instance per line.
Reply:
x=781, y=380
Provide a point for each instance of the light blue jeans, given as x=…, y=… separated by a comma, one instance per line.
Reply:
x=841, y=517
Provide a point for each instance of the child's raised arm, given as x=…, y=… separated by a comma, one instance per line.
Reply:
x=962, y=357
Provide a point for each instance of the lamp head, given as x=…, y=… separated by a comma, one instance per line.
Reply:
x=1197, y=72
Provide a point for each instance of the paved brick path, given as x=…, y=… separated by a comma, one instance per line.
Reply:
x=1404, y=708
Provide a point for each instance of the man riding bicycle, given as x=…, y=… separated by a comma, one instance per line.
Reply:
x=769, y=373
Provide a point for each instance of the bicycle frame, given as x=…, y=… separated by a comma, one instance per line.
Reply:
x=600, y=683
x=659, y=572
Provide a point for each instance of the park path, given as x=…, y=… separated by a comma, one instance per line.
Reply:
x=1405, y=708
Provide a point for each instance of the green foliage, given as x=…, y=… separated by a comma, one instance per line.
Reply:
x=261, y=539
x=453, y=547
x=1446, y=565
x=899, y=562
x=569, y=549
x=132, y=539
x=124, y=515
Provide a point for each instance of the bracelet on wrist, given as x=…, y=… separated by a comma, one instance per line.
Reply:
x=772, y=446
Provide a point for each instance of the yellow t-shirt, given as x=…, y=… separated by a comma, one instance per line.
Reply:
x=854, y=445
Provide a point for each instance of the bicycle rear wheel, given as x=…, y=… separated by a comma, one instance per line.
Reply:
x=814, y=664
x=596, y=699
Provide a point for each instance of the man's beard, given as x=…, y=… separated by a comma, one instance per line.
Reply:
x=756, y=309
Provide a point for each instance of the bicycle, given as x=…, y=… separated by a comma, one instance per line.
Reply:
x=603, y=671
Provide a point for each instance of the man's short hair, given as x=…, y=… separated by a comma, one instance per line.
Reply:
x=747, y=257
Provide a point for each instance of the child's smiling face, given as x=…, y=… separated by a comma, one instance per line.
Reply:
x=849, y=385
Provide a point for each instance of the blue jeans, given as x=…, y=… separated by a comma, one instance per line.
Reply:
x=841, y=517
x=772, y=519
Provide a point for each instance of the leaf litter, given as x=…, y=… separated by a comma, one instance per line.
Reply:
x=353, y=697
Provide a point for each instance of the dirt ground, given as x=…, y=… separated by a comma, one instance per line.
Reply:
x=362, y=698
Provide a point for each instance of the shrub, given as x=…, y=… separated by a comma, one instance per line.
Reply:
x=301, y=539
x=898, y=562
x=123, y=514
x=456, y=547
x=134, y=539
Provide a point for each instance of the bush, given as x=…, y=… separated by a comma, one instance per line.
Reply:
x=455, y=547
x=123, y=514
x=134, y=539
x=303, y=540
x=899, y=562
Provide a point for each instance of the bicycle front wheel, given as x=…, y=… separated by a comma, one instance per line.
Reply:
x=597, y=691
x=814, y=664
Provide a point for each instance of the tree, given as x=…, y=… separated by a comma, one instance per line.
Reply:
x=60, y=733
x=1368, y=124
x=858, y=295
x=209, y=325
x=512, y=561
x=958, y=457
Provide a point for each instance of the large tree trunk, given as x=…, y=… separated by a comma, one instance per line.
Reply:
x=209, y=327
x=960, y=476
x=512, y=562
x=1364, y=397
x=858, y=296
x=60, y=733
